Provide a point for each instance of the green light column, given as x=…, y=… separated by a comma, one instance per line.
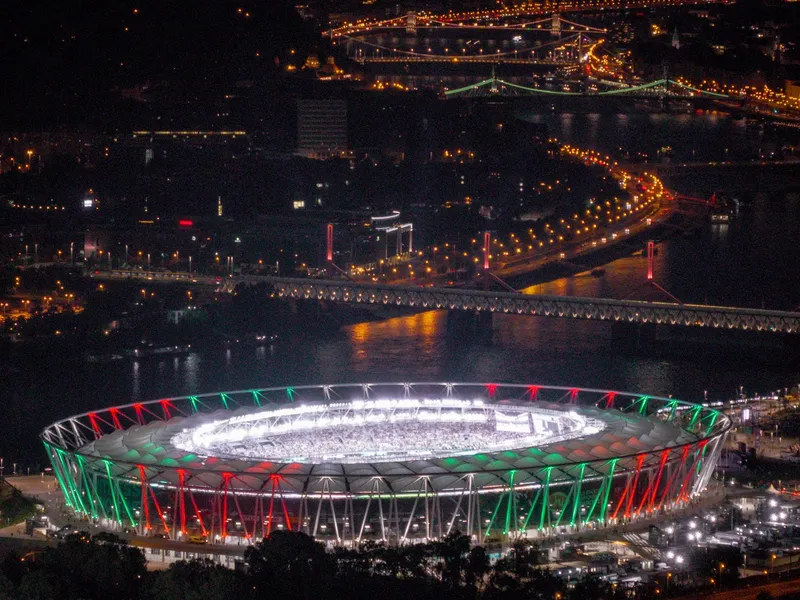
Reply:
x=65, y=491
x=65, y=465
x=125, y=503
x=609, y=480
x=510, y=503
x=94, y=497
x=545, y=499
x=113, y=494
x=532, y=508
x=576, y=506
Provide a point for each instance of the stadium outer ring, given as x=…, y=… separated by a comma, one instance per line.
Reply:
x=602, y=480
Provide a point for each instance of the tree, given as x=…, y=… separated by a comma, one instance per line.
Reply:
x=452, y=550
x=36, y=586
x=82, y=568
x=6, y=588
x=477, y=565
x=197, y=580
x=290, y=565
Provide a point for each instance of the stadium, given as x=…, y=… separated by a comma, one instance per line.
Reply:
x=396, y=462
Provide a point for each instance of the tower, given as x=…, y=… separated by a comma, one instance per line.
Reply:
x=411, y=22
x=555, y=25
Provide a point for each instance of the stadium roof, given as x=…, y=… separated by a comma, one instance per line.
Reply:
x=626, y=435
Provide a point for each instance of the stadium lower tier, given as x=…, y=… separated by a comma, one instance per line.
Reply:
x=391, y=462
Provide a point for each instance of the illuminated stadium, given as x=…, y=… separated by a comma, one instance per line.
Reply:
x=394, y=462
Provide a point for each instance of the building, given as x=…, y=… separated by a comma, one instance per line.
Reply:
x=430, y=454
x=322, y=128
x=392, y=238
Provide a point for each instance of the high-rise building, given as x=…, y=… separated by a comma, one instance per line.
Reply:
x=322, y=128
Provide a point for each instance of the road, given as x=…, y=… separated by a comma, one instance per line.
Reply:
x=749, y=593
x=733, y=164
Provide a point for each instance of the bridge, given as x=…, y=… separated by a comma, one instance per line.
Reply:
x=368, y=43
x=568, y=307
x=411, y=22
x=490, y=17
x=654, y=89
x=514, y=303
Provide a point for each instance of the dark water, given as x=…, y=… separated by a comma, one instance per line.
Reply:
x=750, y=262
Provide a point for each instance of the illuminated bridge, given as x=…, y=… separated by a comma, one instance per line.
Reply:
x=660, y=88
x=600, y=309
x=568, y=307
x=423, y=39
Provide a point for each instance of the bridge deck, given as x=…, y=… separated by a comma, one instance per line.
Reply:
x=602, y=309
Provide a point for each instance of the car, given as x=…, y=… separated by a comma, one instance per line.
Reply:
x=198, y=539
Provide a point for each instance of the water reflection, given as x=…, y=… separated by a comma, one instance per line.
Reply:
x=418, y=336
x=135, y=381
x=191, y=369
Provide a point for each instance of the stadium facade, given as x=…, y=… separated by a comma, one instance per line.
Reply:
x=394, y=462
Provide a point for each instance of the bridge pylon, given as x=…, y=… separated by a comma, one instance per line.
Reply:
x=411, y=22
x=665, y=87
x=487, y=246
x=555, y=25
x=650, y=277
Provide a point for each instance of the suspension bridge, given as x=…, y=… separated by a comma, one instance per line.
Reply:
x=660, y=89
x=417, y=39
x=411, y=22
